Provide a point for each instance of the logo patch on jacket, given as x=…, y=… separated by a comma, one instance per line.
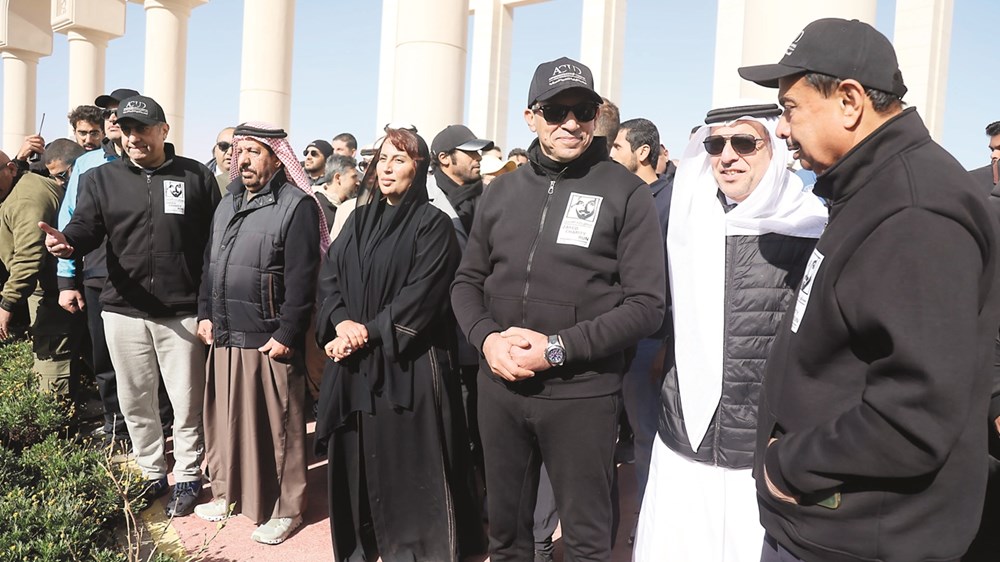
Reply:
x=579, y=220
x=173, y=197
x=802, y=300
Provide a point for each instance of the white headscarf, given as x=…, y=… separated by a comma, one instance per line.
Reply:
x=696, y=248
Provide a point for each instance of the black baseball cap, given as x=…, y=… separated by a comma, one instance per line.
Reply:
x=142, y=109
x=839, y=48
x=458, y=137
x=114, y=97
x=560, y=75
x=321, y=145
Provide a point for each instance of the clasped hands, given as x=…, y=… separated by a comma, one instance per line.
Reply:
x=516, y=353
x=351, y=336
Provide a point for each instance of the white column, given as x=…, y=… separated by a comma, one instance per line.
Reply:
x=87, y=50
x=20, y=79
x=769, y=26
x=602, y=41
x=726, y=83
x=25, y=36
x=386, y=65
x=430, y=57
x=490, y=80
x=266, y=69
x=922, y=39
x=166, y=60
x=88, y=25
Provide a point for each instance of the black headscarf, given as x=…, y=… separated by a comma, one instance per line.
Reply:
x=368, y=267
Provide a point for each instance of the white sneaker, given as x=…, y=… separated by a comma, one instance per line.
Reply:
x=215, y=510
x=276, y=530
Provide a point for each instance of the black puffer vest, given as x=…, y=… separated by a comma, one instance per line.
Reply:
x=762, y=274
x=247, y=262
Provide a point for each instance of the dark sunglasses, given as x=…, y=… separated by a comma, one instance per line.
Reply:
x=314, y=153
x=742, y=144
x=223, y=146
x=107, y=113
x=555, y=113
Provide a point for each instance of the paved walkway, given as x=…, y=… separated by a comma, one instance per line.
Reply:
x=230, y=542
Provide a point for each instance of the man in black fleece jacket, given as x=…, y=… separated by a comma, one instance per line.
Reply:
x=562, y=272
x=871, y=441
x=155, y=209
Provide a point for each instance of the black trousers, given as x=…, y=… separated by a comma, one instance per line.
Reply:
x=576, y=440
x=104, y=371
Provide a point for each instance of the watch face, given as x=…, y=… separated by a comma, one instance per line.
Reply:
x=555, y=355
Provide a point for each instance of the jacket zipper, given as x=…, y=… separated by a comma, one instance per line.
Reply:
x=149, y=222
x=534, y=246
x=730, y=266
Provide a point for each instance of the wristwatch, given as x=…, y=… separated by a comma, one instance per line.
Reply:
x=555, y=353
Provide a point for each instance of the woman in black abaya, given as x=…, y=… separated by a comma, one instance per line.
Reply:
x=390, y=416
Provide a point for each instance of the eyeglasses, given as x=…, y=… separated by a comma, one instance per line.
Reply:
x=107, y=113
x=63, y=176
x=314, y=153
x=743, y=144
x=555, y=113
x=223, y=146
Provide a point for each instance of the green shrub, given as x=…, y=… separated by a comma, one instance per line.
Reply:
x=59, y=503
x=27, y=416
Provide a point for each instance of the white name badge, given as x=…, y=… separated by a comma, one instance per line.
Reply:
x=579, y=220
x=802, y=300
x=173, y=197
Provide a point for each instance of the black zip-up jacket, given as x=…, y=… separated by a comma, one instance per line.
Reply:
x=157, y=224
x=260, y=267
x=529, y=264
x=878, y=383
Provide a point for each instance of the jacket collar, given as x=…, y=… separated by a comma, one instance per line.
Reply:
x=266, y=196
x=896, y=136
x=109, y=149
x=168, y=148
x=597, y=152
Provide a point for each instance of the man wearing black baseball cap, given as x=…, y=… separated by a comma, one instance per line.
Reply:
x=563, y=271
x=872, y=426
x=456, y=154
x=155, y=208
x=315, y=163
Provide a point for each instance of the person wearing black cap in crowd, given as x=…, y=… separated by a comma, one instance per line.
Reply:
x=82, y=278
x=315, y=163
x=390, y=415
x=456, y=169
x=155, y=208
x=563, y=271
x=872, y=427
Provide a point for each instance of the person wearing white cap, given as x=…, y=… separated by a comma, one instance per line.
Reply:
x=741, y=231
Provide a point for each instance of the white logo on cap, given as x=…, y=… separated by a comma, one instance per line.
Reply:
x=795, y=43
x=567, y=72
x=135, y=107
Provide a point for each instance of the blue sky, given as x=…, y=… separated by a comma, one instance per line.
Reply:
x=667, y=73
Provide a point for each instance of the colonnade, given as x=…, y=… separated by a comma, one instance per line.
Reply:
x=424, y=53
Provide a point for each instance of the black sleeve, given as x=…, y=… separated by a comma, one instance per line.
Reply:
x=419, y=303
x=332, y=310
x=86, y=230
x=467, y=291
x=205, y=292
x=301, y=264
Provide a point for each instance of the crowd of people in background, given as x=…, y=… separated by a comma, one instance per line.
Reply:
x=789, y=329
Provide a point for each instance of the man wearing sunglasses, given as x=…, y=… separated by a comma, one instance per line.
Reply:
x=222, y=153
x=563, y=271
x=26, y=199
x=876, y=401
x=741, y=231
x=315, y=163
